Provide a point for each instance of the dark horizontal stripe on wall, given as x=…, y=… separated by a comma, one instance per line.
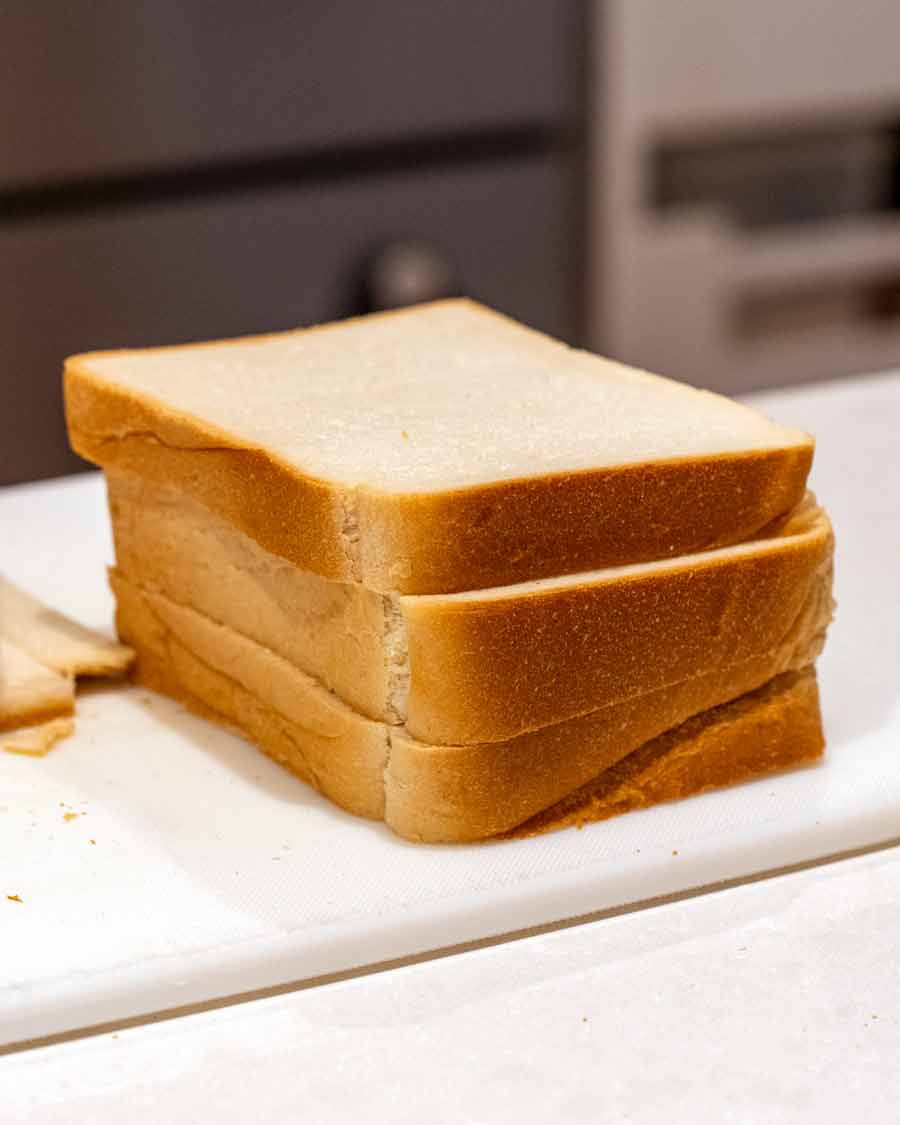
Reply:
x=273, y=171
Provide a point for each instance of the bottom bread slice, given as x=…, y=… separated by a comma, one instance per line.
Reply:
x=423, y=792
x=776, y=727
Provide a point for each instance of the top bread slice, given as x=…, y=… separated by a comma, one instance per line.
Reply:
x=437, y=449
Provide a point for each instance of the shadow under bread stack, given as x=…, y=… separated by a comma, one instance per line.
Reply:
x=458, y=576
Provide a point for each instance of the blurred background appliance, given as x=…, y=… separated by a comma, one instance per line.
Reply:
x=707, y=188
x=745, y=158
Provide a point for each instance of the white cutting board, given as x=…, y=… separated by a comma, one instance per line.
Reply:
x=197, y=869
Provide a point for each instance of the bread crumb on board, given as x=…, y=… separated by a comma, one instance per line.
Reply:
x=14, y=898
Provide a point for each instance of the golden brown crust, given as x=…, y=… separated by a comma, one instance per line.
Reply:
x=775, y=728
x=519, y=530
x=291, y=515
x=35, y=713
x=36, y=741
x=486, y=668
x=459, y=793
x=461, y=539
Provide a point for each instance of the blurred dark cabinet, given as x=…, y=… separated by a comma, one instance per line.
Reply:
x=183, y=170
x=108, y=87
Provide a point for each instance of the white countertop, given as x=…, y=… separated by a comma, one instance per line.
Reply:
x=682, y=1018
x=773, y=1002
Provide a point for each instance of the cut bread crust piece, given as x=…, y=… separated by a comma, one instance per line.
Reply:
x=423, y=792
x=31, y=694
x=36, y=741
x=57, y=641
x=438, y=449
x=484, y=666
x=41, y=653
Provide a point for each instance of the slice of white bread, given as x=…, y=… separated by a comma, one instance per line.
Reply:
x=30, y=693
x=56, y=641
x=437, y=449
x=484, y=666
x=423, y=792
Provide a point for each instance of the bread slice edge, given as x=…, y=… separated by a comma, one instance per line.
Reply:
x=442, y=540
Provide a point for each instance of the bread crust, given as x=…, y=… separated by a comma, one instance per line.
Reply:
x=30, y=693
x=17, y=714
x=470, y=793
x=443, y=541
x=486, y=667
x=34, y=741
x=424, y=793
x=565, y=523
x=296, y=517
x=775, y=728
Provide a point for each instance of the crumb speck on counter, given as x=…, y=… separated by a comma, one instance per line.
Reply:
x=69, y=816
x=14, y=898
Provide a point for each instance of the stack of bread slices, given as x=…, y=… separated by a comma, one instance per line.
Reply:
x=457, y=575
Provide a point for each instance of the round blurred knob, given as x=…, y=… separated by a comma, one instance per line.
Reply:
x=408, y=272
